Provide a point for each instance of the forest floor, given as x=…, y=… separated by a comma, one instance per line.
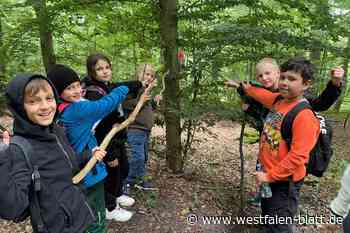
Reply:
x=210, y=186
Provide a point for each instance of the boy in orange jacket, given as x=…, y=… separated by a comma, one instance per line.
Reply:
x=284, y=169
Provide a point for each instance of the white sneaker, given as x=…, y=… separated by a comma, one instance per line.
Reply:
x=118, y=214
x=125, y=200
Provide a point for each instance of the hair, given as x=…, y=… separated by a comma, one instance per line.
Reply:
x=267, y=60
x=5, y=112
x=299, y=65
x=140, y=71
x=35, y=85
x=91, y=63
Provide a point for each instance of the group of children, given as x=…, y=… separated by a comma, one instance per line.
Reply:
x=284, y=162
x=59, y=121
x=64, y=120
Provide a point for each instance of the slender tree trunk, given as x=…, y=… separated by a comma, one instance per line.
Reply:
x=346, y=61
x=315, y=58
x=46, y=40
x=323, y=71
x=2, y=55
x=134, y=52
x=168, y=34
x=241, y=155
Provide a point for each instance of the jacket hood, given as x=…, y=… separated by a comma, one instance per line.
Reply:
x=15, y=101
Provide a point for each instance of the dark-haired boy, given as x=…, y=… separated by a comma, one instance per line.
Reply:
x=280, y=163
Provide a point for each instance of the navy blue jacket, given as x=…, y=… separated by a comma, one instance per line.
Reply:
x=63, y=205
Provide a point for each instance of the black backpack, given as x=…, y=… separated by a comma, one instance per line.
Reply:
x=34, y=189
x=322, y=152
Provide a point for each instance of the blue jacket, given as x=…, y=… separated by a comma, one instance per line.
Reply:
x=79, y=119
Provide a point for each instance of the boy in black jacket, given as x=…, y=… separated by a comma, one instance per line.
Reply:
x=62, y=206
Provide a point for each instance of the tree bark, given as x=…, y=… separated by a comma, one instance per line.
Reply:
x=168, y=34
x=346, y=61
x=315, y=58
x=2, y=55
x=46, y=40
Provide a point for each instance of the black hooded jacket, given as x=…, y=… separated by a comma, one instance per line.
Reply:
x=63, y=206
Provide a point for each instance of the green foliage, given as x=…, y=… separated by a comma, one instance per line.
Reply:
x=251, y=136
x=222, y=40
x=337, y=168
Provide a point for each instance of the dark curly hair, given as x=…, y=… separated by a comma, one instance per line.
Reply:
x=299, y=65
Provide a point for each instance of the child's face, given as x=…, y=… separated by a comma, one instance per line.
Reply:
x=72, y=93
x=103, y=71
x=267, y=74
x=41, y=107
x=147, y=75
x=291, y=85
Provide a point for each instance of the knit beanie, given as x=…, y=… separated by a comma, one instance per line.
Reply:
x=62, y=76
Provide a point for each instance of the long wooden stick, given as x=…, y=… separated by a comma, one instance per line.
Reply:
x=77, y=178
x=241, y=155
x=163, y=82
x=346, y=120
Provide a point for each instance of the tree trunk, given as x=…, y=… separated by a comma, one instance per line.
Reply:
x=46, y=40
x=315, y=58
x=2, y=55
x=346, y=61
x=168, y=34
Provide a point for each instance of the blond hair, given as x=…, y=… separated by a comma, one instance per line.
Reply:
x=267, y=60
x=141, y=69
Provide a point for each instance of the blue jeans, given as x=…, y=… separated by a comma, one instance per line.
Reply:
x=138, y=145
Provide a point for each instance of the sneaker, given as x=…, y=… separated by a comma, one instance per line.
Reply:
x=145, y=185
x=118, y=214
x=125, y=200
x=335, y=214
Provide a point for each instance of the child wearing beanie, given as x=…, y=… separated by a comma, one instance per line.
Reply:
x=79, y=118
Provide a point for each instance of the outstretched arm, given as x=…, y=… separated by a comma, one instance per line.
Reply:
x=93, y=111
x=329, y=95
x=134, y=86
x=144, y=97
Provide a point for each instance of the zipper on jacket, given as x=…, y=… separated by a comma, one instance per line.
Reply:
x=64, y=152
x=86, y=203
x=90, y=210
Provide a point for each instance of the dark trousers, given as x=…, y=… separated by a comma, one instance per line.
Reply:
x=283, y=203
x=346, y=224
x=96, y=199
x=114, y=180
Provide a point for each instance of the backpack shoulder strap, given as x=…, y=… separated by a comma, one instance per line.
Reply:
x=27, y=150
x=95, y=88
x=62, y=106
x=287, y=122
